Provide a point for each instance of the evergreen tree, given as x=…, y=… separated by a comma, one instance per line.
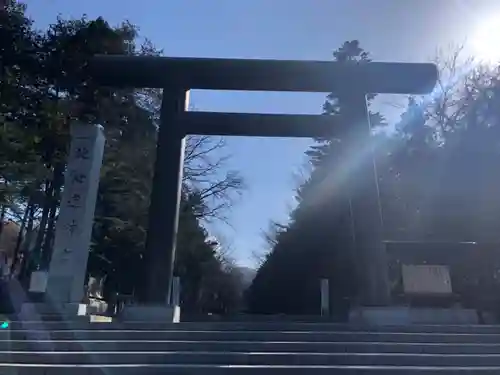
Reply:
x=318, y=242
x=44, y=87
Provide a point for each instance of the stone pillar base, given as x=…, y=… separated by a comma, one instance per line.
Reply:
x=151, y=313
x=406, y=315
x=46, y=311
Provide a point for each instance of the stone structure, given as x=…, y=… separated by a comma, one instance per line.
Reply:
x=440, y=283
x=178, y=75
x=64, y=283
x=473, y=268
x=426, y=279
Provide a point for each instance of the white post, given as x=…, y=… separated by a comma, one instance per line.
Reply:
x=68, y=265
x=176, y=291
x=325, y=298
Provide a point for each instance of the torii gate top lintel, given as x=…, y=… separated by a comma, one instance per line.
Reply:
x=263, y=75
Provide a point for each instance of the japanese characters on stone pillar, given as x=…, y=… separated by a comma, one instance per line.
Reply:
x=74, y=225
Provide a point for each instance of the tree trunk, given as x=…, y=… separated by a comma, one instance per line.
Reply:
x=3, y=211
x=25, y=246
x=51, y=225
x=44, y=219
x=20, y=236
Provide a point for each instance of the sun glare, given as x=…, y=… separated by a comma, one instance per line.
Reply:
x=486, y=39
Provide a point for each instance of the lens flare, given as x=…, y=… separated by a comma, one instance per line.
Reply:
x=485, y=40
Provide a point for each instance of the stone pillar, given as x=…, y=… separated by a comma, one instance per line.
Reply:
x=325, y=297
x=68, y=265
x=365, y=203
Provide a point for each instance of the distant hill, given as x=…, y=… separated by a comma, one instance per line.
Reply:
x=247, y=275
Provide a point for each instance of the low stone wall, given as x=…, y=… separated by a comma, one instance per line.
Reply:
x=187, y=317
x=407, y=315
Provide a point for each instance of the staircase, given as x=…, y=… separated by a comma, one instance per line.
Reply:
x=81, y=348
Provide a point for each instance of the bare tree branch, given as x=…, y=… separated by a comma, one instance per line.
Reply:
x=205, y=166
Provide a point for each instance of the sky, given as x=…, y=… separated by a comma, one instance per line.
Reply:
x=391, y=30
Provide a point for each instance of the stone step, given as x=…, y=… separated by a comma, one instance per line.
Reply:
x=242, y=370
x=346, y=336
x=60, y=347
x=258, y=326
x=254, y=358
x=248, y=346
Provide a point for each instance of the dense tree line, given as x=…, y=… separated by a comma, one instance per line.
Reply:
x=44, y=87
x=438, y=180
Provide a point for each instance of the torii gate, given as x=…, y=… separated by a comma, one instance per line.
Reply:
x=176, y=76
